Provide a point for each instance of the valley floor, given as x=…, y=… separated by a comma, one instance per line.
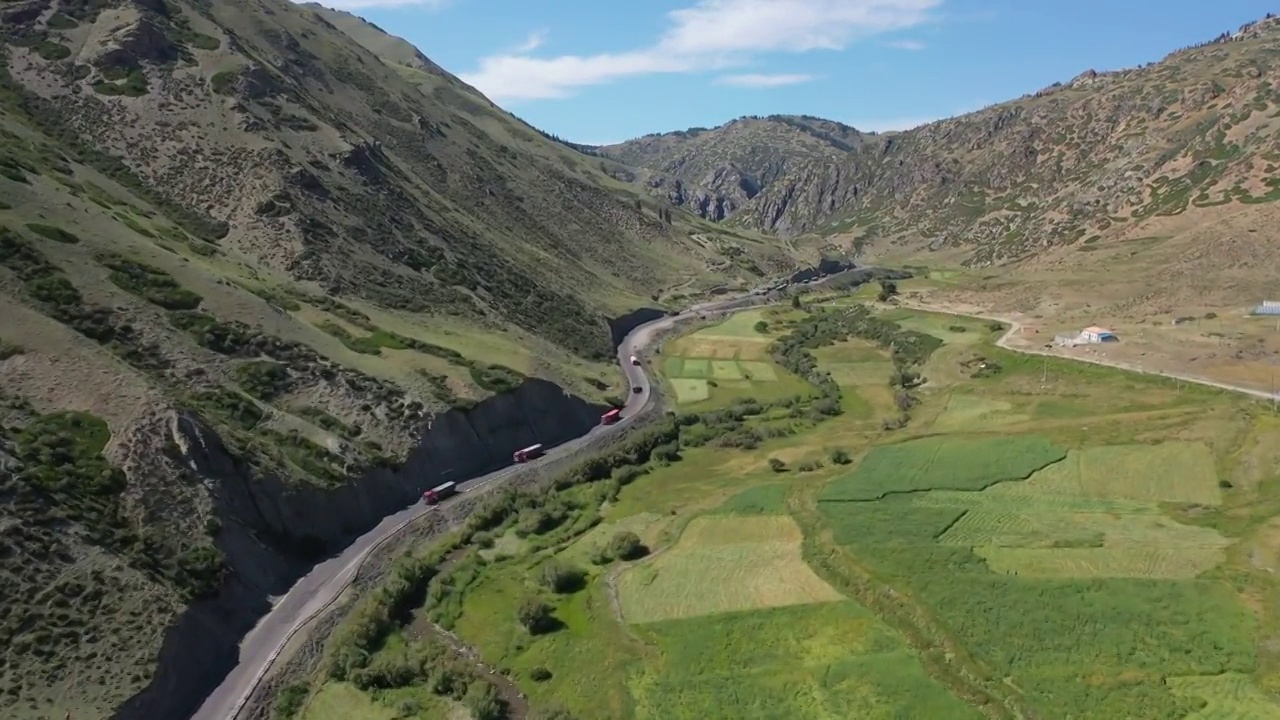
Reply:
x=1002, y=536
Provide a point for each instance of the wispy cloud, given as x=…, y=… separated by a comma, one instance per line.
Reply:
x=531, y=43
x=758, y=80
x=906, y=44
x=707, y=36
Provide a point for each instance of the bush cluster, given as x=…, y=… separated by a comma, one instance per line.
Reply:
x=59, y=298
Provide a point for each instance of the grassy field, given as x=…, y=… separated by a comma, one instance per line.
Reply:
x=721, y=565
x=1109, y=554
x=343, y=701
x=943, y=463
x=834, y=660
x=728, y=361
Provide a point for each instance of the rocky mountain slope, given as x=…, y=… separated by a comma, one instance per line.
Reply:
x=1075, y=163
x=260, y=286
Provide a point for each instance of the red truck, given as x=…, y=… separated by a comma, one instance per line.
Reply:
x=439, y=492
x=527, y=454
x=611, y=417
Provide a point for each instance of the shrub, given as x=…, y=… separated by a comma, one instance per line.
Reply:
x=626, y=545
x=56, y=234
x=150, y=283
x=762, y=327
x=53, y=51
x=264, y=379
x=777, y=465
x=535, y=616
x=289, y=701
x=539, y=674
x=840, y=457
x=483, y=702
x=627, y=475
x=61, y=21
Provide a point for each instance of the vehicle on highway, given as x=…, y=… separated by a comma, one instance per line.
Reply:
x=635, y=360
x=637, y=389
x=439, y=492
x=528, y=453
x=611, y=417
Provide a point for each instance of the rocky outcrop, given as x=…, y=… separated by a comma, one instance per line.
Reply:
x=139, y=40
x=273, y=531
x=622, y=326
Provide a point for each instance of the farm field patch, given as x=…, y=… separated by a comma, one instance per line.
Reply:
x=1175, y=472
x=943, y=463
x=690, y=390
x=965, y=412
x=722, y=565
x=770, y=499
x=1230, y=696
x=952, y=330
x=826, y=662
x=716, y=365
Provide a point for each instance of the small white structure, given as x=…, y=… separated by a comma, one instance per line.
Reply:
x=1268, y=307
x=1096, y=334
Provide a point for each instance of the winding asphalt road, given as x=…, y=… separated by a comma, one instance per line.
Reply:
x=317, y=590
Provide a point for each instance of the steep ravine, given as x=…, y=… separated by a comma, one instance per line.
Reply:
x=267, y=524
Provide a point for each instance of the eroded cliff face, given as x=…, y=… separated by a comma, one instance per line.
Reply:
x=272, y=531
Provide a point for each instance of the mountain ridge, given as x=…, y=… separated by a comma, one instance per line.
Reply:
x=924, y=186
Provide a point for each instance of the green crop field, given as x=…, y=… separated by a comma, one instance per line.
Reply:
x=768, y=499
x=1177, y=472
x=715, y=365
x=944, y=463
x=827, y=662
x=690, y=390
x=723, y=564
x=968, y=412
x=1229, y=696
x=740, y=326
x=949, y=328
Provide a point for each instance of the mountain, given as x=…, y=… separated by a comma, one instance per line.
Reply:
x=1095, y=158
x=265, y=272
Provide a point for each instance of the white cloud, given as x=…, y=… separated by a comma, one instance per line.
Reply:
x=758, y=80
x=906, y=44
x=531, y=43
x=710, y=35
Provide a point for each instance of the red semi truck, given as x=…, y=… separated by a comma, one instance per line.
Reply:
x=439, y=492
x=611, y=417
x=527, y=454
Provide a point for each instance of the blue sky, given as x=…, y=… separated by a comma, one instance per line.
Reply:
x=602, y=72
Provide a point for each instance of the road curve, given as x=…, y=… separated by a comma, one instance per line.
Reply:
x=318, y=589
